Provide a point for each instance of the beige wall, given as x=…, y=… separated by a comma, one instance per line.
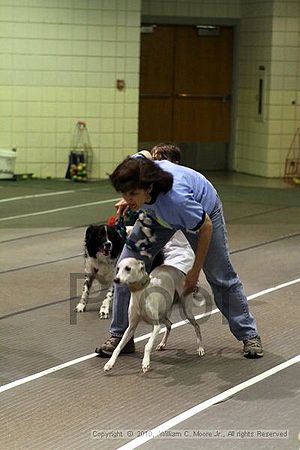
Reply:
x=59, y=64
x=269, y=37
x=60, y=60
x=192, y=8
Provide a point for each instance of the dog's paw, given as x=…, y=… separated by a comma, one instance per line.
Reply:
x=201, y=351
x=108, y=366
x=160, y=347
x=104, y=313
x=146, y=364
x=80, y=307
x=145, y=367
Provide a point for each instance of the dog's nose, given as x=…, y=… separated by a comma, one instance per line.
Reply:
x=117, y=280
x=107, y=245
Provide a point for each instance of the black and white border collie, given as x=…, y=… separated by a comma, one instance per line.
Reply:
x=102, y=247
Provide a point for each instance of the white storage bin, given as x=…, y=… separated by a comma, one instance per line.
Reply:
x=7, y=164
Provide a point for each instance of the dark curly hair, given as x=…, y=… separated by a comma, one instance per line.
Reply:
x=140, y=173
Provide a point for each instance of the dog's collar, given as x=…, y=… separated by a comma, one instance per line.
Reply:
x=139, y=285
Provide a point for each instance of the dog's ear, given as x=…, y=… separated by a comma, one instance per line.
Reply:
x=142, y=266
x=117, y=241
x=89, y=232
x=91, y=241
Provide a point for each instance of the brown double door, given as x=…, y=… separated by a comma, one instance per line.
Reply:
x=185, y=84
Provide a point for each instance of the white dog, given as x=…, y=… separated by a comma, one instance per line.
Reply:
x=151, y=300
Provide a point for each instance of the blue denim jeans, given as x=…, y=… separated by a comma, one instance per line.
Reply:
x=226, y=286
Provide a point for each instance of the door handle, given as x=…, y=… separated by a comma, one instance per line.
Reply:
x=148, y=95
x=223, y=97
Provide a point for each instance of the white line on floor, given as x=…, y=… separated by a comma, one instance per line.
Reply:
x=35, y=376
x=48, y=194
x=207, y=404
x=49, y=211
x=13, y=384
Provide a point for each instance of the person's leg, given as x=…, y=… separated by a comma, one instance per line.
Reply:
x=121, y=292
x=225, y=283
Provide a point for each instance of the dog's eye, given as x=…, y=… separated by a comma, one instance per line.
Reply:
x=128, y=269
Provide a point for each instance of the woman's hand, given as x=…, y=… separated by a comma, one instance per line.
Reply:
x=191, y=281
x=121, y=207
x=204, y=236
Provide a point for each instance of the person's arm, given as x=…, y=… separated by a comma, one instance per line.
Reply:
x=204, y=236
x=121, y=207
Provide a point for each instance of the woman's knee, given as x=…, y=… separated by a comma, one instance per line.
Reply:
x=225, y=285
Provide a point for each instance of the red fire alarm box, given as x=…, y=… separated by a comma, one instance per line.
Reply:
x=120, y=84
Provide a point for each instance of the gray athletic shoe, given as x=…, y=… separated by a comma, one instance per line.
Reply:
x=106, y=349
x=253, y=348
